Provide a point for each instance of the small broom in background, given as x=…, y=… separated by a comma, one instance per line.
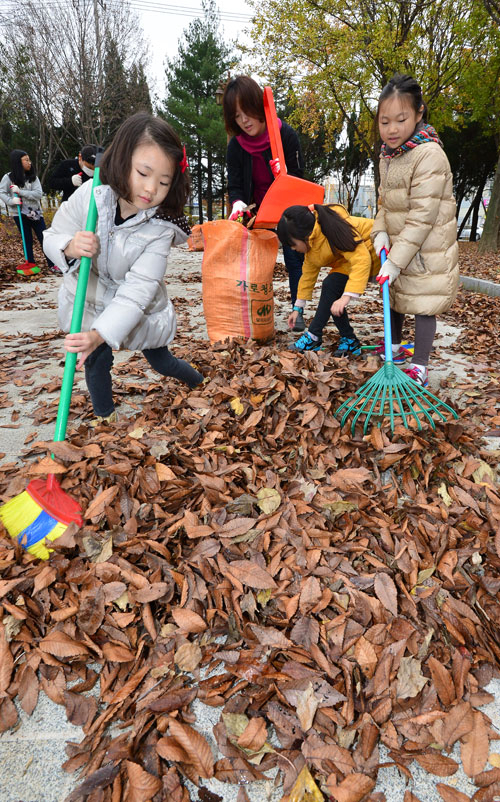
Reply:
x=44, y=511
x=390, y=391
x=27, y=268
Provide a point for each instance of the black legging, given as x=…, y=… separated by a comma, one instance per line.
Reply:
x=98, y=374
x=331, y=290
x=29, y=225
x=425, y=331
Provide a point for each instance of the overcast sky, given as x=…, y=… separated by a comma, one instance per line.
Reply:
x=163, y=23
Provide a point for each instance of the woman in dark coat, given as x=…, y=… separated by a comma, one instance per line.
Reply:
x=250, y=167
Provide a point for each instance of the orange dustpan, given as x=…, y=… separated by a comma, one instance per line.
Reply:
x=286, y=190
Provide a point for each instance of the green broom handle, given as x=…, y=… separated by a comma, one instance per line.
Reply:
x=387, y=312
x=76, y=320
x=22, y=228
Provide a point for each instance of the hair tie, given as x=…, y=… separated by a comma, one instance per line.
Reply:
x=183, y=162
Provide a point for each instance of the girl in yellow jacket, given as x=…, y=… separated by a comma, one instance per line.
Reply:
x=329, y=237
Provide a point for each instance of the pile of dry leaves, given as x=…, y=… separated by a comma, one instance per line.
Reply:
x=328, y=593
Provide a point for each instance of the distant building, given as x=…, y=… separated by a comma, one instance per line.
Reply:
x=365, y=202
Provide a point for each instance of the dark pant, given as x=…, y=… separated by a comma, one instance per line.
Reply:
x=331, y=290
x=425, y=331
x=29, y=225
x=98, y=374
x=293, y=263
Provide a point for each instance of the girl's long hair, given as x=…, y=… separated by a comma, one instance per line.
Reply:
x=297, y=223
x=18, y=174
x=116, y=164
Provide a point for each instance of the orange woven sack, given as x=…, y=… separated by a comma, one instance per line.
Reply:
x=237, y=280
x=195, y=239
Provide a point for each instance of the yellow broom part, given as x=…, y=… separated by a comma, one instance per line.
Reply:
x=19, y=513
x=40, y=550
x=30, y=525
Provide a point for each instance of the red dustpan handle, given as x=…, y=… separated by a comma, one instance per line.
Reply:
x=273, y=128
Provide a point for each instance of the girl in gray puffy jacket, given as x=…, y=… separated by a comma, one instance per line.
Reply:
x=21, y=188
x=140, y=204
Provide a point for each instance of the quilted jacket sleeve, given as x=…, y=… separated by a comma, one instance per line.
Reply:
x=426, y=192
x=137, y=294
x=34, y=193
x=69, y=218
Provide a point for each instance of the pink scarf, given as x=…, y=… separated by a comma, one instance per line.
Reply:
x=256, y=145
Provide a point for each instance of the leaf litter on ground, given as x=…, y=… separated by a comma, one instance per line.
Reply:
x=328, y=593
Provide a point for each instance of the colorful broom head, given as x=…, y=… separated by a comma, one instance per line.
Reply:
x=39, y=515
x=28, y=269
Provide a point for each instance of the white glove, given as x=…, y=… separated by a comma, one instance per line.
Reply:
x=14, y=188
x=76, y=180
x=381, y=241
x=389, y=270
x=16, y=202
x=238, y=210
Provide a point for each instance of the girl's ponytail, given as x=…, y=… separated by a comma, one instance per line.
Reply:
x=297, y=223
x=340, y=234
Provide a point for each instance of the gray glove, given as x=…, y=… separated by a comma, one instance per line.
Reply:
x=388, y=269
x=76, y=180
x=381, y=241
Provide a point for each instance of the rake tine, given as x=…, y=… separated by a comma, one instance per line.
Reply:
x=416, y=400
x=410, y=397
x=373, y=398
x=424, y=392
x=381, y=396
x=402, y=406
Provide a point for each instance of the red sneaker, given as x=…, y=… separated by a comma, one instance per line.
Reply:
x=398, y=358
x=419, y=375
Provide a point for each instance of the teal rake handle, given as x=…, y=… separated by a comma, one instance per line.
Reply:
x=21, y=228
x=76, y=320
x=387, y=312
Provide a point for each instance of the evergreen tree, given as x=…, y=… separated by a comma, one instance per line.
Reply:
x=139, y=97
x=192, y=81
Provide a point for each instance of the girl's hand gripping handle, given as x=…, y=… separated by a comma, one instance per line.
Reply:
x=384, y=282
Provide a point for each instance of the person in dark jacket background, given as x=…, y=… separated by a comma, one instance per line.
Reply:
x=250, y=166
x=72, y=173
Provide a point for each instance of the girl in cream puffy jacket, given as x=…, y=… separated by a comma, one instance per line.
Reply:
x=416, y=221
x=139, y=207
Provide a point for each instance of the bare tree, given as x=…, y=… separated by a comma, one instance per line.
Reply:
x=55, y=58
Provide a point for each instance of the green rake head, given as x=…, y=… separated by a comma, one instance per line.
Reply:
x=391, y=392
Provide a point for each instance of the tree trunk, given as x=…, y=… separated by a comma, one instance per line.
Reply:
x=200, y=185
x=209, y=185
x=489, y=239
x=462, y=224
